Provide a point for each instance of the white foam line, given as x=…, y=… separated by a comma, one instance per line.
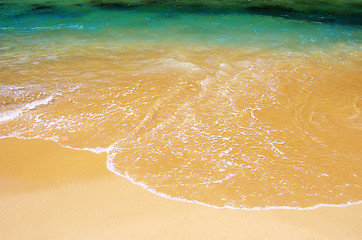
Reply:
x=96, y=150
x=10, y=115
x=111, y=167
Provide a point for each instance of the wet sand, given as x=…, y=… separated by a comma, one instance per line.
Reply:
x=50, y=192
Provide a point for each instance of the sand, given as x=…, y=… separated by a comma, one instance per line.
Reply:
x=51, y=192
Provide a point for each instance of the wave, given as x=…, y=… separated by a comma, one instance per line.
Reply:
x=111, y=167
x=12, y=114
x=219, y=127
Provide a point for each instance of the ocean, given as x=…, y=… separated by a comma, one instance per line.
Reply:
x=238, y=104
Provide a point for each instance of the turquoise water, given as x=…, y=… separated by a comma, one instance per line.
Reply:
x=24, y=24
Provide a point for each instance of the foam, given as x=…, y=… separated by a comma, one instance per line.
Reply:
x=111, y=167
x=12, y=114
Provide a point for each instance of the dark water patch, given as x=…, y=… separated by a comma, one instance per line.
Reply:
x=273, y=10
x=119, y=5
x=356, y=5
x=78, y=5
x=16, y=10
x=318, y=11
x=312, y=13
x=43, y=9
x=39, y=7
x=342, y=18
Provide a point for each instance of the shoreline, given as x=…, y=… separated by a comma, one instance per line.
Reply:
x=53, y=192
x=145, y=187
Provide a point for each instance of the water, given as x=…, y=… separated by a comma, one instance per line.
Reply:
x=231, y=104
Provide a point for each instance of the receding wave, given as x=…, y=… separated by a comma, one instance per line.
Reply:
x=225, y=127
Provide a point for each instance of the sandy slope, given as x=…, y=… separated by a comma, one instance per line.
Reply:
x=49, y=192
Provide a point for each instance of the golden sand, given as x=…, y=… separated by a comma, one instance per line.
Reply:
x=50, y=192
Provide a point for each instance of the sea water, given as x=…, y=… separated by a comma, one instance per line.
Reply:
x=241, y=104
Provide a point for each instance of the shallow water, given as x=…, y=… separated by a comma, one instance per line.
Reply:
x=216, y=104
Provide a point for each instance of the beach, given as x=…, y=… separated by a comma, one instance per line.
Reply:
x=51, y=192
x=238, y=105
x=182, y=119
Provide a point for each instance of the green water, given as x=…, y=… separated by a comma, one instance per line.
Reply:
x=29, y=24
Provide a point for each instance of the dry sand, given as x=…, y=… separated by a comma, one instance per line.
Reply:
x=50, y=192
